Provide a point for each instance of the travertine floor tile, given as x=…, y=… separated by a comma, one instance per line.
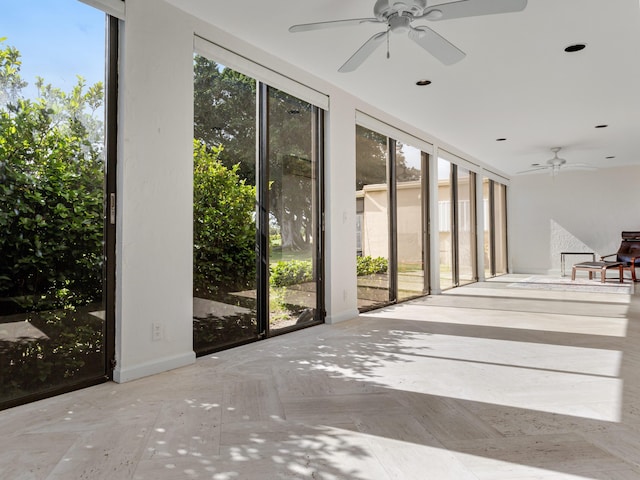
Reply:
x=484, y=382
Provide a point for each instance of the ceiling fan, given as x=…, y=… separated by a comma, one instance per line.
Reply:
x=555, y=164
x=398, y=16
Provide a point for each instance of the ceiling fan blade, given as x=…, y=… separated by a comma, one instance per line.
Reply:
x=363, y=53
x=472, y=8
x=436, y=45
x=533, y=170
x=306, y=27
x=579, y=166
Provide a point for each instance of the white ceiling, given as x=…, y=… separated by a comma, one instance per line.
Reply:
x=516, y=81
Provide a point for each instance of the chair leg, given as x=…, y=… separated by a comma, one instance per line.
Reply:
x=621, y=273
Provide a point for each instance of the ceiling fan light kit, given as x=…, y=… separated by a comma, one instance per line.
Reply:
x=398, y=18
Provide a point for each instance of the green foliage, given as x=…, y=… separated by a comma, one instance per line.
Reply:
x=51, y=200
x=224, y=225
x=225, y=114
x=290, y=272
x=51, y=224
x=369, y=265
x=10, y=81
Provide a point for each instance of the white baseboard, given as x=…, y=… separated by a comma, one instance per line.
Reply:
x=126, y=374
x=341, y=317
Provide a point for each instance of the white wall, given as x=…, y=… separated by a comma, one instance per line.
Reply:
x=574, y=211
x=154, y=239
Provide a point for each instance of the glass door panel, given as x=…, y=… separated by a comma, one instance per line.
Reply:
x=466, y=226
x=445, y=224
x=372, y=209
x=486, y=205
x=409, y=218
x=500, y=215
x=52, y=198
x=293, y=212
x=224, y=211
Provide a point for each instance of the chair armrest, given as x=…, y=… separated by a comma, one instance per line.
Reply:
x=605, y=256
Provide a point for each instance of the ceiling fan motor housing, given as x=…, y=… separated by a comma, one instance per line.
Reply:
x=383, y=9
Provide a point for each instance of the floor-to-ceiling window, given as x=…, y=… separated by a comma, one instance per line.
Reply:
x=293, y=210
x=257, y=205
x=225, y=290
x=487, y=228
x=411, y=188
x=391, y=210
x=466, y=226
x=56, y=193
x=456, y=224
x=372, y=210
x=500, y=228
x=494, y=196
x=445, y=224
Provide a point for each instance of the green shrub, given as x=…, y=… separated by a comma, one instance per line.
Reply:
x=290, y=272
x=369, y=265
x=51, y=203
x=223, y=224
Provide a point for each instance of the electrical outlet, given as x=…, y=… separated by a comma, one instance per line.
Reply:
x=156, y=331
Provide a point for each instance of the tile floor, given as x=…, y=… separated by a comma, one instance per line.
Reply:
x=484, y=382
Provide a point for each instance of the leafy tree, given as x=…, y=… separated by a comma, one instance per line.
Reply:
x=225, y=114
x=290, y=169
x=371, y=163
x=10, y=81
x=224, y=226
x=371, y=157
x=51, y=193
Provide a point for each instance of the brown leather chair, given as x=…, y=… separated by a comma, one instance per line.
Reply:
x=628, y=253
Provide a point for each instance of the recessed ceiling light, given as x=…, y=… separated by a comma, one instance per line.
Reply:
x=602, y=126
x=423, y=83
x=500, y=139
x=575, y=48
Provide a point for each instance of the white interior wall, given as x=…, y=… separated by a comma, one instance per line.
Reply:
x=340, y=210
x=154, y=229
x=574, y=211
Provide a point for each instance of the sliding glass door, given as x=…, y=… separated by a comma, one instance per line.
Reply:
x=411, y=188
x=445, y=224
x=225, y=286
x=457, y=224
x=257, y=203
x=372, y=210
x=391, y=220
x=466, y=226
x=56, y=185
x=495, y=210
x=293, y=199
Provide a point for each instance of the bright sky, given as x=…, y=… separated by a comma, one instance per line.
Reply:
x=58, y=39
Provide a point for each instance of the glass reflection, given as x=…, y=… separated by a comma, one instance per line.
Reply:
x=372, y=210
